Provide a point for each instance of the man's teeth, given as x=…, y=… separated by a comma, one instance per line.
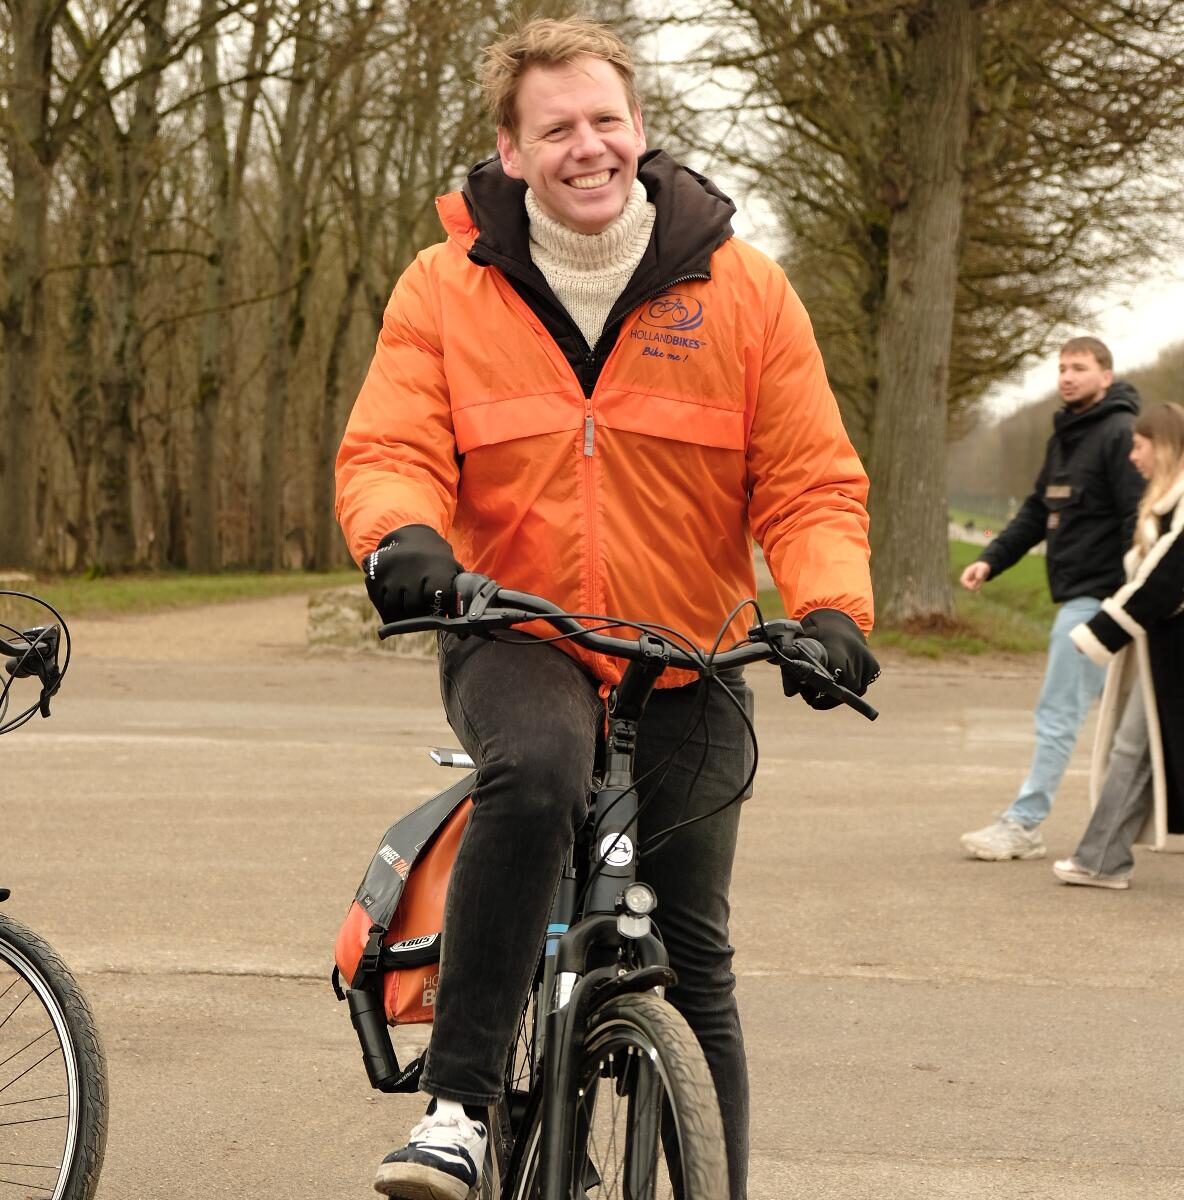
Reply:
x=591, y=181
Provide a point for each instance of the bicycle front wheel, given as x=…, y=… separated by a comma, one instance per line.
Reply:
x=646, y=1123
x=53, y=1080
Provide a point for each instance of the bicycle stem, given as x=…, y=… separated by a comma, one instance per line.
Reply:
x=613, y=848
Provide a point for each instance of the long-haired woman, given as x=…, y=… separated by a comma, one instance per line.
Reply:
x=1138, y=764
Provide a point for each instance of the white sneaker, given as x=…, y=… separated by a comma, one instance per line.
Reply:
x=1069, y=870
x=1004, y=839
x=441, y=1161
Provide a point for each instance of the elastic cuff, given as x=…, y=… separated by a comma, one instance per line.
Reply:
x=1121, y=617
x=1084, y=639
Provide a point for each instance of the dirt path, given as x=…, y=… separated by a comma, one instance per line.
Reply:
x=258, y=629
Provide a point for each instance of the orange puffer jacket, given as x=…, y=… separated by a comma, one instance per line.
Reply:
x=710, y=423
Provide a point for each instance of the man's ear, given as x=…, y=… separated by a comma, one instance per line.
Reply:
x=508, y=153
x=639, y=129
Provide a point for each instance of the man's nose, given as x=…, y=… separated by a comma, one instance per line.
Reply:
x=589, y=143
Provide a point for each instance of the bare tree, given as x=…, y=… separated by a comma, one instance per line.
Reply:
x=942, y=171
x=128, y=154
x=396, y=147
x=226, y=160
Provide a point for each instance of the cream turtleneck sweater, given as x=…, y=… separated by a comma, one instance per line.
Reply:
x=587, y=272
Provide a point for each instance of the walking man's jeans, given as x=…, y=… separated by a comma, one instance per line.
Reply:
x=530, y=716
x=1072, y=682
x=1127, y=795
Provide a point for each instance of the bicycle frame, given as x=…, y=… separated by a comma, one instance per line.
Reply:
x=569, y=983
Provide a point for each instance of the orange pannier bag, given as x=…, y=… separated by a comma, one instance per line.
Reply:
x=388, y=948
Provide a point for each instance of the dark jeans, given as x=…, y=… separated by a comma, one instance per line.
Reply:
x=530, y=716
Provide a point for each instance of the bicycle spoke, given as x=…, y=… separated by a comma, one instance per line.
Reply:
x=39, y=1189
x=17, y=1005
x=619, y=1115
x=644, y=1128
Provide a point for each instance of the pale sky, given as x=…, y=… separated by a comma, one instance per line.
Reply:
x=1136, y=323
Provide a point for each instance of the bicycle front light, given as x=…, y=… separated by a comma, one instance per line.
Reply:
x=638, y=900
x=634, y=906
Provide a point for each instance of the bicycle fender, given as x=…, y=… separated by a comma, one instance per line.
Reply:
x=642, y=980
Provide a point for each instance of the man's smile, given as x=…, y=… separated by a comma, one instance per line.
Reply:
x=585, y=182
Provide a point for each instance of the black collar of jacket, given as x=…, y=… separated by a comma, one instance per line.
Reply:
x=694, y=218
x=1120, y=397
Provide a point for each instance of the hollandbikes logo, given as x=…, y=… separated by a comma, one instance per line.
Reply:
x=616, y=849
x=664, y=324
x=674, y=312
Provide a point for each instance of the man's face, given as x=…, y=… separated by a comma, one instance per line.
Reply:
x=577, y=143
x=1082, y=380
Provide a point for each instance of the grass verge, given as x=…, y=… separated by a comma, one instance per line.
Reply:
x=1011, y=615
x=80, y=597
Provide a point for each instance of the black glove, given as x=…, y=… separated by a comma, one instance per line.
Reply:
x=848, y=658
x=411, y=574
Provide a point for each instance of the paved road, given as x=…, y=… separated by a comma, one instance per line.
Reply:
x=190, y=826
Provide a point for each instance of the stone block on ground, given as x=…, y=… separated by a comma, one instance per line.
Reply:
x=344, y=619
x=14, y=609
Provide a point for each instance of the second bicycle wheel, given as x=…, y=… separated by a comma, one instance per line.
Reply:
x=53, y=1085
x=647, y=1123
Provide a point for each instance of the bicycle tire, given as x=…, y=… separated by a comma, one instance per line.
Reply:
x=53, y=1076
x=637, y=1051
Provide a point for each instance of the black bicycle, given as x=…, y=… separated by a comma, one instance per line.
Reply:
x=53, y=1076
x=607, y=1094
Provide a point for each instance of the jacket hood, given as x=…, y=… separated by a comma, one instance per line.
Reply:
x=1120, y=397
x=693, y=219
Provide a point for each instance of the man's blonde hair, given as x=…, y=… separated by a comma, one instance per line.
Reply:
x=544, y=42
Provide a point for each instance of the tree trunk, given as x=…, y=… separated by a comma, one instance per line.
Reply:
x=123, y=381
x=909, y=528
x=294, y=268
x=326, y=539
x=79, y=421
x=215, y=345
x=22, y=311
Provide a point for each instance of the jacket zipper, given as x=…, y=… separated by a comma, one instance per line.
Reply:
x=587, y=374
x=587, y=378
x=588, y=386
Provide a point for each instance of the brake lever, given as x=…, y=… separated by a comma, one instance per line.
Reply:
x=819, y=680
x=480, y=591
x=501, y=618
x=38, y=658
x=783, y=638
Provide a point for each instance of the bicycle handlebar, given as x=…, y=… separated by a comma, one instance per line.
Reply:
x=483, y=607
x=32, y=653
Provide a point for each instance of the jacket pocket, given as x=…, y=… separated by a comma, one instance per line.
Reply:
x=507, y=418
x=1061, y=494
x=677, y=419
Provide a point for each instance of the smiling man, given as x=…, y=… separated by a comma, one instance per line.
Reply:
x=593, y=391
